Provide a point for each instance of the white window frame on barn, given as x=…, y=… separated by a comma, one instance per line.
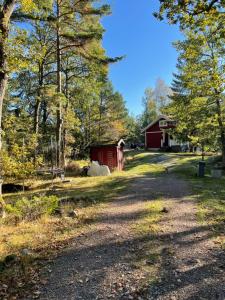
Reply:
x=162, y=123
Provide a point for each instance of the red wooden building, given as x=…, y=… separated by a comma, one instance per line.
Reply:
x=109, y=154
x=157, y=135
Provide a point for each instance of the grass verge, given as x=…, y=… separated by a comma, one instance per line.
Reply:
x=209, y=193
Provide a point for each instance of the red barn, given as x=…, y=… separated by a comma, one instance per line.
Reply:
x=156, y=134
x=109, y=154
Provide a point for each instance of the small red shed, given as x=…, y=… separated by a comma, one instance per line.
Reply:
x=157, y=135
x=109, y=154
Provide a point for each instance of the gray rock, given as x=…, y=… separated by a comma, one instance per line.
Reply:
x=26, y=252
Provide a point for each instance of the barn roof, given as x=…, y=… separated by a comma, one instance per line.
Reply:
x=155, y=121
x=109, y=143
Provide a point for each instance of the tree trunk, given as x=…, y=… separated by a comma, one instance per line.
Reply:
x=222, y=130
x=45, y=116
x=89, y=125
x=65, y=129
x=37, y=109
x=5, y=15
x=36, y=115
x=100, y=118
x=36, y=126
x=59, y=122
x=38, y=101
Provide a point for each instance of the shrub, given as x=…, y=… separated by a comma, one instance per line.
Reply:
x=31, y=209
x=74, y=168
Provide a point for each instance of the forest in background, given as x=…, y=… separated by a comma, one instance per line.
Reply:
x=197, y=100
x=58, y=99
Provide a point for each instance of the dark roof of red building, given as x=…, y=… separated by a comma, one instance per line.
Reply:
x=109, y=143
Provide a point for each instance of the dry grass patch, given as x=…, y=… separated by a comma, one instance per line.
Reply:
x=42, y=234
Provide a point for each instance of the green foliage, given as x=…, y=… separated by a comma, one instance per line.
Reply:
x=13, y=167
x=198, y=102
x=31, y=209
x=18, y=151
x=133, y=128
x=101, y=112
x=150, y=107
x=186, y=12
x=90, y=109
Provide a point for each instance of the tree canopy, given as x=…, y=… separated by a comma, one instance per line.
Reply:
x=198, y=102
x=55, y=95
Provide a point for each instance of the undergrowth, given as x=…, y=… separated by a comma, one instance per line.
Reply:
x=26, y=209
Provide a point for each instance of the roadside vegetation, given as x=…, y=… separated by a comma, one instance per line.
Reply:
x=208, y=191
x=32, y=221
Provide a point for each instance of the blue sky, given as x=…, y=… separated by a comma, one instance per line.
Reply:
x=132, y=30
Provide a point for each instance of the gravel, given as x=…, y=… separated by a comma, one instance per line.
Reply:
x=99, y=263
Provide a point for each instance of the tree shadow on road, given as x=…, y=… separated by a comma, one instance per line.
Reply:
x=92, y=266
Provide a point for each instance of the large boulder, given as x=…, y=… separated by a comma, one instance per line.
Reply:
x=97, y=170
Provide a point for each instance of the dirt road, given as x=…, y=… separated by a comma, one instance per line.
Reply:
x=101, y=263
